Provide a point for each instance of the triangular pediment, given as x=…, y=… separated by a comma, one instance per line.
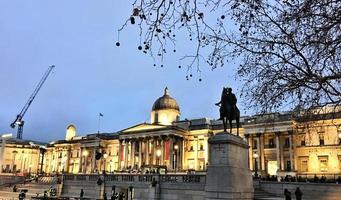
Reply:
x=143, y=127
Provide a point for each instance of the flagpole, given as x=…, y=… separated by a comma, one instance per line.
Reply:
x=99, y=122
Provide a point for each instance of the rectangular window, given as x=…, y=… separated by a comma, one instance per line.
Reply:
x=201, y=147
x=321, y=139
x=288, y=167
x=303, y=141
x=254, y=144
x=323, y=163
x=287, y=143
x=271, y=143
x=303, y=164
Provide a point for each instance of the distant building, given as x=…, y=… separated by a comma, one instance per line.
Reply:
x=280, y=144
x=20, y=156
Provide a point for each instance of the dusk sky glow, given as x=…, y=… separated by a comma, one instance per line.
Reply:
x=92, y=75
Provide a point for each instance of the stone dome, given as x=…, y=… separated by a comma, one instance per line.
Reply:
x=165, y=102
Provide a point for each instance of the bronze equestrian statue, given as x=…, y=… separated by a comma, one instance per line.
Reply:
x=228, y=109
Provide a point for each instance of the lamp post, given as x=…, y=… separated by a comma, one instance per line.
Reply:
x=176, y=147
x=158, y=154
x=255, y=156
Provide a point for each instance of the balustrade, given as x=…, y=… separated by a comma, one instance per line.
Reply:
x=168, y=178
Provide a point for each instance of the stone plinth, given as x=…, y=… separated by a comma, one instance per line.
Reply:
x=228, y=174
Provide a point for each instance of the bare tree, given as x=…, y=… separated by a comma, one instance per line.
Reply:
x=288, y=50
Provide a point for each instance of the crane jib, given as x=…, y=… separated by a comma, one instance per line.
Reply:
x=18, y=121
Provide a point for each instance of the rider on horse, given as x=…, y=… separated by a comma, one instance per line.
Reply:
x=228, y=108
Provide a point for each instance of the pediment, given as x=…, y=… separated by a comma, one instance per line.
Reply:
x=143, y=127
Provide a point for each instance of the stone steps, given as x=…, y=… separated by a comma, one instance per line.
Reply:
x=262, y=195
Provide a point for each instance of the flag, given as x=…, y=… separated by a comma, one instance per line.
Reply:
x=101, y=115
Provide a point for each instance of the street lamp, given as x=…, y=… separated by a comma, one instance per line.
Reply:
x=176, y=147
x=255, y=156
x=158, y=154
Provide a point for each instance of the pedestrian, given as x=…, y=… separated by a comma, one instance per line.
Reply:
x=81, y=195
x=298, y=194
x=287, y=194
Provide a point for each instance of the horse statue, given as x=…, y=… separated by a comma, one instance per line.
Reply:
x=228, y=109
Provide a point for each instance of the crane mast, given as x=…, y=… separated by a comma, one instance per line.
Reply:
x=19, y=120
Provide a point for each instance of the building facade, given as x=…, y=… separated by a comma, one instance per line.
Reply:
x=280, y=144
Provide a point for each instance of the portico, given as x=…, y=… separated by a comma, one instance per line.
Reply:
x=161, y=145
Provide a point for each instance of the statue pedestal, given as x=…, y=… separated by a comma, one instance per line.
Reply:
x=228, y=175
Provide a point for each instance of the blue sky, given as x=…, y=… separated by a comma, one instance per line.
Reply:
x=92, y=75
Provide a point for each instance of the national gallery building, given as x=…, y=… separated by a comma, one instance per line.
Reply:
x=280, y=144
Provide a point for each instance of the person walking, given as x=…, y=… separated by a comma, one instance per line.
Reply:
x=287, y=194
x=298, y=194
x=81, y=195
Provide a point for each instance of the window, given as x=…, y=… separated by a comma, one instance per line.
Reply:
x=287, y=142
x=191, y=148
x=323, y=164
x=321, y=139
x=254, y=146
x=302, y=140
x=201, y=147
x=303, y=164
x=288, y=167
x=271, y=143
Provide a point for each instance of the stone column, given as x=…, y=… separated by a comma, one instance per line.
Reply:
x=140, y=152
x=183, y=161
x=278, y=151
x=94, y=161
x=290, y=151
x=147, y=151
x=132, y=153
x=154, y=151
x=80, y=164
x=125, y=154
x=171, y=146
x=162, y=158
x=249, y=141
x=119, y=154
x=281, y=148
x=258, y=152
x=262, y=154
x=196, y=153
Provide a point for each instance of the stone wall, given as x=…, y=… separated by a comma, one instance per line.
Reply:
x=9, y=179
x=168, y=187
x=311, y=191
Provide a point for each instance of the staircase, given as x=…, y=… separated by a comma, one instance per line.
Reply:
x=34, y=189
x=262, y=195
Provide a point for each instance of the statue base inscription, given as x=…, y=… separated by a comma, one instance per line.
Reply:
x=228, y=174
